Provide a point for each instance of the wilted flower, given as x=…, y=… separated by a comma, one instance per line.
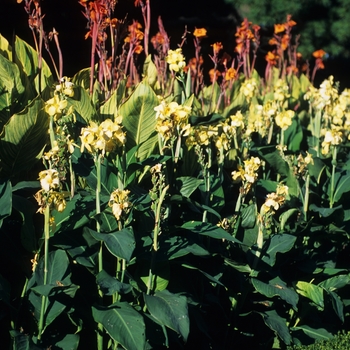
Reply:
x=331, y=138
x=176, y=60
x=119, y=202
x=275, y=200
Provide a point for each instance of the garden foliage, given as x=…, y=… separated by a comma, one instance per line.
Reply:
x=167, y=211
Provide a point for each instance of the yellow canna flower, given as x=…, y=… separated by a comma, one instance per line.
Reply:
x=119, y=202
x=49, y=179
x=176, y=60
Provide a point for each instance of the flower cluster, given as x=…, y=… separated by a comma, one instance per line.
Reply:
x=176, y=60
x=172, y=118
x=284, y=119
x=249, y=172
x=249, y=89
x=55, y=107
x=274, y=200
x=49, y=195
x=103, y=138
x=134, y=37
x=119, y=202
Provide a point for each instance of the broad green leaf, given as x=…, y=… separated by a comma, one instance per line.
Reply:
x=110, y=285
x=82, y=104
x=188, y=185
x=312, y=292
x=338, y=305
x=277, y=324
x=5, y=199
x=5, y=48
x=22, y=341
x=326, y=212
x=77, y=213
x=342, y=185
x=248, y=215
x=28, y=60
x=285, y=216
x=334, y=283
x=120, y=243
x=107, y=220
x=69, y=342
x=210, y=277
x=14, y=96
x=170, y=310
x=123, y=323
x=76, y=246
x=160, y=278
x=109, y=109
x=209, y=230
x=23, y=139
x=58, y=265
x=82, y=78
x=150, y=72
x=294, y=136
x=245, y=268
x=139, y=120
x=280, y=243
x=315, y=333
x=276, y=287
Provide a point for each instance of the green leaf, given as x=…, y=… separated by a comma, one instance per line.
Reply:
x=5, y=199
x=277, y=324
x=23, y=139
x=82, y=104
x=325, y=212
x=280, y=243
x=315, y=333
x=188, y=185
x=338, y=305
x=312, y=292
x=27, y=60
x=150, y=72
x=110, y=285
x=123, y=323
x=139, y=120
x=120, y=243
x=334, y=283
x=209, y=230
x=69, y=342
x=294, y=136
x=82, y=78
x=342, y=185
x=5, y=48
x=285, y=216
x=77, y=213
x=276, y=287
x=109, y=109
x=14, y=94
x=169, y=310
x=248, y=215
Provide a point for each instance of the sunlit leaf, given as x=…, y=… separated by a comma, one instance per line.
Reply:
x=170, y=310
x=123, y=323
x=312, y=292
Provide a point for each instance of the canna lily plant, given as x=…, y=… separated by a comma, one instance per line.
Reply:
x=170, y=210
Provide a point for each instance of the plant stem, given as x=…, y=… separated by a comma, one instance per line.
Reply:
x=100, y=252
x=155, y=237
x=46, y=262
x=334, y=166
x=306, y=196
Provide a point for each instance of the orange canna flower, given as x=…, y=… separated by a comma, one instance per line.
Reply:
x=279, y=28
x=285, y=41
x=271, y=58
x=273, y=41
x=230, y=74
x=200, y=33
x=138, y=49
x=214, y=74
x=217, y=47
x=319, y=53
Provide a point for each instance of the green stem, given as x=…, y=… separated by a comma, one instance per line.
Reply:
x=100, y=256
x=52, y=133
x=155, y=238
x=46, y=263
x=334, y=166
x=206, y=175
x=306, y=196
